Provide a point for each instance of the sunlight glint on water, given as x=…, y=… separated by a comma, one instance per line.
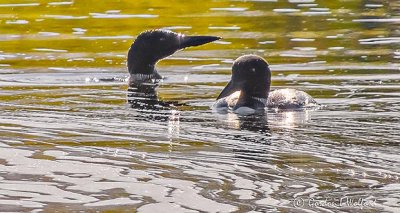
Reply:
x=69, y=141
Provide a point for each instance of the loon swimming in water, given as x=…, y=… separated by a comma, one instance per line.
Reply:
x=154, y=45
x=148, y=48
x=249, y=89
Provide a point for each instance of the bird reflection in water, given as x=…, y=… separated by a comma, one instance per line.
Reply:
x=252, y=141
x=290, y=118
x=262, y=121
x=256, y=144
x=256, y=123
x=145, y=97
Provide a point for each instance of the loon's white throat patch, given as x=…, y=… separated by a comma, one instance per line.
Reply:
x=143, y=78
x=234, y=97
x=262, y=100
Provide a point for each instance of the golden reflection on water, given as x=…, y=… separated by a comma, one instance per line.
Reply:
x=69, y=141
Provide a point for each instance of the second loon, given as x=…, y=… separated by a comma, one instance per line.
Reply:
x=249, y=90
x=153, y=45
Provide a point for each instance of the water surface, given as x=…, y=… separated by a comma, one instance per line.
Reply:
x=71, y=142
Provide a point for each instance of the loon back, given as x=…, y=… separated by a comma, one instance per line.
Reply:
x=290, y=99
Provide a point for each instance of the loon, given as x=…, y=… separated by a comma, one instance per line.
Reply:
x=249, y=90
x=148, y=48
x=153, y=45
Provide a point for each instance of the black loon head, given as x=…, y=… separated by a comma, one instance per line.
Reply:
x=154, y=45
x=251, y=76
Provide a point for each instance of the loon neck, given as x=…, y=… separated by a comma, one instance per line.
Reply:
x=141, y=67
x=247, y=96
x=140, y=63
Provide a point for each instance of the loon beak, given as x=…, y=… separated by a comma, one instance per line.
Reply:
x=190, y=41
x=228, y=90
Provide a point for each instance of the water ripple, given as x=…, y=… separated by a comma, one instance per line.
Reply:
x=75, y=138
